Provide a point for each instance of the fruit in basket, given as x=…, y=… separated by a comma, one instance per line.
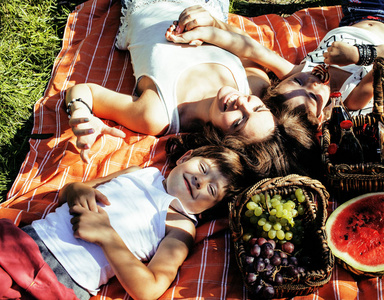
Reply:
x=355, y=233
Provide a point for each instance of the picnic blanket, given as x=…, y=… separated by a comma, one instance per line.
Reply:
x=88, y=55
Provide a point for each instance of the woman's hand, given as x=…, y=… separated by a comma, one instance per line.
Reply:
x=342, y=54
x=87, y=130
x=192, y=17
x=90, y=226
x=80, y=194
x=190, y=37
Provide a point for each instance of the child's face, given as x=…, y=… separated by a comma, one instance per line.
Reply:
x=196, y=182
x=234, y=112
x=307, y=90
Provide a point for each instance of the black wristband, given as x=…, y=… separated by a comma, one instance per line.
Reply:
x=77, y=100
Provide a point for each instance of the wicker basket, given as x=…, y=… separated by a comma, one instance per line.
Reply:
x=316, y=200
x=365, y=177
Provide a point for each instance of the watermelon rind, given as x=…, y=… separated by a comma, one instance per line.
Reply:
x=344, y=258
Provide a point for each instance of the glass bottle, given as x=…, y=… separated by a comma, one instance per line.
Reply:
x=349, y=150
x=338, y=114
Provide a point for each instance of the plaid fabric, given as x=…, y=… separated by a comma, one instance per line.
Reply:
x=88, y=55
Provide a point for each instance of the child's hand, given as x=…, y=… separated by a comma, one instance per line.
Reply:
x=189, y=37
x=87, y=130
x=84, y=196
x=342, y=54
x=192, y=17
x=90, y=226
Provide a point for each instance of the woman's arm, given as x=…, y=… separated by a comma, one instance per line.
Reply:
x=240, y=45
x=140, y=114
x=140, y=281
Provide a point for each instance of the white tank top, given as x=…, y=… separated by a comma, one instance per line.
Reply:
x=138, y=211
x=143, y=34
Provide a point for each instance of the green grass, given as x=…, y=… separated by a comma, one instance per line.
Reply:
x=30, y=39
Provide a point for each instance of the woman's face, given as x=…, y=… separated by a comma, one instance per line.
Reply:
x=305, y=89
x=234, y=112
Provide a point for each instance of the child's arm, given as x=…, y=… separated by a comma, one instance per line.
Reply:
x=85, y=193
x=240, y=45
x=140, y=281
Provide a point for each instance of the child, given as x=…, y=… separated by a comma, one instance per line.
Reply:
x=139, y=216
x=350, y=62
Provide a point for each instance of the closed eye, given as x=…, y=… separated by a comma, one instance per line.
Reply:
x=298, y=81
x=238, y=122
x=212, y=190
x=203, y=168
x=313, y=96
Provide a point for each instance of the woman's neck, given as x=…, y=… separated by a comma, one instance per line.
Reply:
x=192, y=113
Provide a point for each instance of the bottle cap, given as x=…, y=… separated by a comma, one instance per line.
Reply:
x=346, y=124
x=335, y=94
x=332, y=148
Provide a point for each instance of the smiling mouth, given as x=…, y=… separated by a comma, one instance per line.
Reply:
x=230, y=102
x=188, y=185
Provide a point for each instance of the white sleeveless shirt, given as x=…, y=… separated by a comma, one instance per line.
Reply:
x=138, y=211
x=143, y=34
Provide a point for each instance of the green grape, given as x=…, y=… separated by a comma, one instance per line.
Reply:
x=272, y=218
x=298, y=192
x=247, y=236
x=277, y=196
x=273, y=211
x=279, y=214
x=275, y=202
x=256, y=198
x=249, y=213
x=301, y=210
x=262, y=198
x=262, y=222
x=253, y=219
x=267, y=226
x=279, y=207
x=294, y=213
x=251, y=205
x=301, y=199
x=288, y=235
x=284, y=222
x=258, y=211
x=277, y=226
x=280, y=234
x=272, y=234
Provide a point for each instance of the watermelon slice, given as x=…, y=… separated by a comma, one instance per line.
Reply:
x=355, y=234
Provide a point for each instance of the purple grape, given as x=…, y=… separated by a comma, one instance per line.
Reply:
x=273, y=243
x=261, y=241
x=259, y=266
x=258, y=289
x=284, y=262
x=293, y=261
x=249, y=259
x=288, y=247
x=267, y=261
x=283, y=254
x=255, y=250
x=252, y=241
x=301, y=269
x=268, y=292
x=279, y=279
x=267, y=250
x=276, y=260
x=251, y=278
x=292, y=271
x=269, y=269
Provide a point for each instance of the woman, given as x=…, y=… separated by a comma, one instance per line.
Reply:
x=349, y=50
x=173, y=92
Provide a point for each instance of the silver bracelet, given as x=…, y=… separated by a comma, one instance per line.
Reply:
x=76, y=100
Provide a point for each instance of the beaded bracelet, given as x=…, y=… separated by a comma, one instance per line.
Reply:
x=367, y=54
x=76, y=100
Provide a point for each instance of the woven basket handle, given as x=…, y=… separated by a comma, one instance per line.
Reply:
x=378, y=82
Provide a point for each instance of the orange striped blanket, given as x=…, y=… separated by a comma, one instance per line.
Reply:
x=88, y=55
